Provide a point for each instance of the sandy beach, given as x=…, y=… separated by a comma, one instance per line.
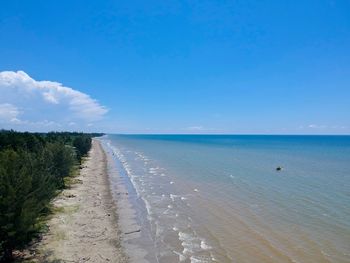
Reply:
x=84, y=227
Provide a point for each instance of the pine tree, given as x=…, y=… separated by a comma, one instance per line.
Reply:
x=32, y=169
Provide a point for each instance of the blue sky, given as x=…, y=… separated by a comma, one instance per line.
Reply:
x=275, y=67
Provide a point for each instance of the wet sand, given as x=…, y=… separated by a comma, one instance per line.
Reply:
x=84, y=227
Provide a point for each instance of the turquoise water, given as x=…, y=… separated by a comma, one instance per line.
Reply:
x=219, y=198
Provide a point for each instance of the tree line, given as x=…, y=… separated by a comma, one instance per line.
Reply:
x=32, y=171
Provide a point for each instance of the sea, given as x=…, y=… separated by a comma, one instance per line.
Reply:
x=221, y=198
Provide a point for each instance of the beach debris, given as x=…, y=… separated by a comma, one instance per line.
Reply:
x=131, y=232
x=279, y=168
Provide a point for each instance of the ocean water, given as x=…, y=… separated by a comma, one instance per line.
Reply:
x=219, y=198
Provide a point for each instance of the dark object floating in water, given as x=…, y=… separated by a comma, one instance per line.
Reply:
x=279, y=168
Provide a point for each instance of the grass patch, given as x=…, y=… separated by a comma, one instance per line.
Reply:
x=59, y=235
x=71, y=209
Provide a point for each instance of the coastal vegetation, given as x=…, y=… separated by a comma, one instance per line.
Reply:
x=33, y=168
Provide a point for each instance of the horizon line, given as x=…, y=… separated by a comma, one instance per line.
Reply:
x=234, y=134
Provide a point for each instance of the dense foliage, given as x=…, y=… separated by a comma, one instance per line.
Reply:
x=32, y=168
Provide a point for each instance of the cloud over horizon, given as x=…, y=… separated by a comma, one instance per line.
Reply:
x=29, y=104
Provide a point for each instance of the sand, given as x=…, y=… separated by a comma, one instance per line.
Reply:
x=84, y=227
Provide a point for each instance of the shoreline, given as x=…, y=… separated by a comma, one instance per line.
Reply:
x=135, y=245
x=193, y=224
x=85, y=226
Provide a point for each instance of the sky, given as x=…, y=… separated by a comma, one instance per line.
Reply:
x=221, y=67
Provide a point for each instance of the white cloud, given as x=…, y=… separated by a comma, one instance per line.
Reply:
x=316, y=126
x=44, y=103
x=322, y=128
x=195, y=128
x=50, y=97
x=8, y=113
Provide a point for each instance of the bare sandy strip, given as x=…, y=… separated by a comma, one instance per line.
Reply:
x=85, y=229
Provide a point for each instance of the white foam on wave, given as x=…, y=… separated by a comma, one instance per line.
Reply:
x=199, y=259
x=153, y=170
x=204, y=245
x=213, y=258
x=172, y=197
x=159, y=229
x=181, y=257
x=148, y=206
x=189, y=242
x=127, y=168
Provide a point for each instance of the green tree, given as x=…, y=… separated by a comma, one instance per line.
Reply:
x=25, y=190
x=82, y=145
x=19, y=203
x=32, y=169
x=60, y=160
